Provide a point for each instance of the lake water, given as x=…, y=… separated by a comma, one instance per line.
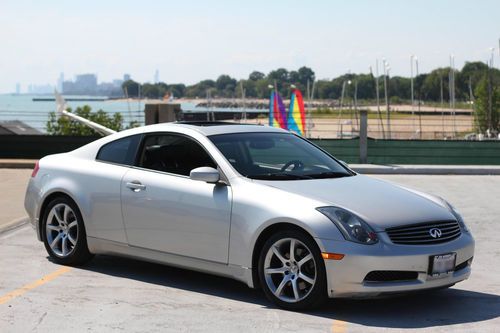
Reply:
x=36, y=114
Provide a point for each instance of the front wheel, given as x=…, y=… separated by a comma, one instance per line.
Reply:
x=63, y=233
x=292, y=272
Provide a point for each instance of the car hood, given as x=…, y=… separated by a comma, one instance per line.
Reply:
x=381, y=204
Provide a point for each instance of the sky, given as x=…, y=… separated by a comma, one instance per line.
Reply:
x=188, y=40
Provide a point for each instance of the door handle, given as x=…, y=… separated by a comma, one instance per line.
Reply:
x=136, y=186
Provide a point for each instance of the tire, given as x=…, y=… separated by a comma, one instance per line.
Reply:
x=293, y=283
x=63, y=233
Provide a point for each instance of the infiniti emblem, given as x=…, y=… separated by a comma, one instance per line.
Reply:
x=435, y=232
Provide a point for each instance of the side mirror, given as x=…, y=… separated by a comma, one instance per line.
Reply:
x=205, y=174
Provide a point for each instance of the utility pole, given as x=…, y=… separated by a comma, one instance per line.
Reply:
x=442, y=104
x=378, y=99
x=139, y=96
x=418, y=103
x=412, y=92
x=472, y=103
x=490, y=96
x=356, y=101
x=310, y=96
x=340, y=111
x=386, y=74
x=244, y=112
x=452, y=93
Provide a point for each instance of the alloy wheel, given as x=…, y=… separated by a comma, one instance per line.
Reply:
x=62, y=230
x=290, y=270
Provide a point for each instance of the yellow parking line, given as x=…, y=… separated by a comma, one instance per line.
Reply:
x=339, y=326
x=47, y=278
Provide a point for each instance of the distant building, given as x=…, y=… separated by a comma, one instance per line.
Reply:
x=60, y=82
x=118, y=83
x=126, y=77
x=40, y=89
x=17, y=127
x=86, y=84
x=18, y=88
x=157, y=76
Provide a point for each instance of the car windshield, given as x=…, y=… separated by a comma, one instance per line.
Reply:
x=277, y=156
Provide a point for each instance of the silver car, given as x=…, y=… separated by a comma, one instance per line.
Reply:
x=253, y=203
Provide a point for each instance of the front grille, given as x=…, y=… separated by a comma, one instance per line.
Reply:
x=420, y=234
x=390, y=276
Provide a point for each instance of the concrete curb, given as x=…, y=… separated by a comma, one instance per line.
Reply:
x=17, y=164
x=14, y=224
x=471, y=170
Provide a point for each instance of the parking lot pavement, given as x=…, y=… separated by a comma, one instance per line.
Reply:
x=114, y=294
x=13, y=187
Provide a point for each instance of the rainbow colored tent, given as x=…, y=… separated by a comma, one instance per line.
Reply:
x=277, y=112
x=296, y=115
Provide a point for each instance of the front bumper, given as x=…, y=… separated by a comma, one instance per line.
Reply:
x=346, y=277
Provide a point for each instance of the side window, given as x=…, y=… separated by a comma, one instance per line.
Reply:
x=121, y=151
x=173, y=154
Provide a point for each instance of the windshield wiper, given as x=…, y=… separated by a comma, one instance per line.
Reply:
x=279, y=176
x=329, y=174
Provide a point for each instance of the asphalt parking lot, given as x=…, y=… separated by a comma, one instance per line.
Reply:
x=114, y=294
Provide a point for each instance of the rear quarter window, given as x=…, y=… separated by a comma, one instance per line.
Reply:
x=121, y=151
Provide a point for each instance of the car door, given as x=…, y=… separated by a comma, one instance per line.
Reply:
x=164, y=210
x=101, y=185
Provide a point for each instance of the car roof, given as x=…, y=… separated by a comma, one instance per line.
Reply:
x=212, y=128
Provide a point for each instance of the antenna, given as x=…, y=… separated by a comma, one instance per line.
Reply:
x=61, y=107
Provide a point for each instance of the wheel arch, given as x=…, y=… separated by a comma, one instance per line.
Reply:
x=264, y=235
x=45, y=202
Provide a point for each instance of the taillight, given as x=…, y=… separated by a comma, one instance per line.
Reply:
x=35, y=170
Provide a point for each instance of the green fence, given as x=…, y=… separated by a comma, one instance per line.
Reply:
x=37, y=146
x=416, y=152
x=379, y=151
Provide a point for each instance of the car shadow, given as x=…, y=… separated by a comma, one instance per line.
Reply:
x=420, y=310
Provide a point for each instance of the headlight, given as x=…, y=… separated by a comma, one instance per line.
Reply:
x=457, y=215
x=352, y=227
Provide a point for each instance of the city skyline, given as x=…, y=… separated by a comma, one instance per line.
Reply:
x=48, y=88
x=191, y=41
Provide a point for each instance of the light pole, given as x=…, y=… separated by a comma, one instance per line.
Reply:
x=341, y=104
x=418, y=102
x=377, y=91
x=411, y=87
x=490, y=96
x=387, y=68
x=452, y=92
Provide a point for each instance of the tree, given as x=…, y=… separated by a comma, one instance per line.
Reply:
x=281, y=77
x=66, y=126
x=328, y=89
x=256, y=76
x=149, y=90
x=431, y=85
x=487, y=105
x=131, y=88
x=306, y=74
x=473, y=72
x=225, y=83
x=178, y=89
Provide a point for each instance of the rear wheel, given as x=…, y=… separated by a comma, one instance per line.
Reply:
x=64, y=234
x=292, y=272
